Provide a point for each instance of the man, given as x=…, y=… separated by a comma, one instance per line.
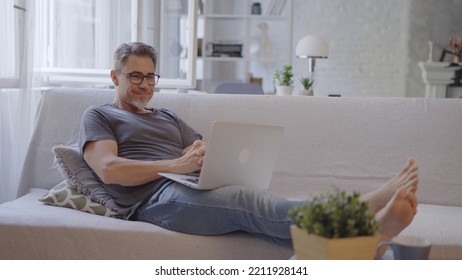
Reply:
x=127, y=145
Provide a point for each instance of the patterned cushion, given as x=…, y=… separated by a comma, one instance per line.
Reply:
x=68, y=196
x=79, y=175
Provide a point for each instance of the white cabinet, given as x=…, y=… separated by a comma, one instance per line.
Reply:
x=236, y=45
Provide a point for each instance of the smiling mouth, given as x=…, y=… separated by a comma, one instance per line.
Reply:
x=146, y=93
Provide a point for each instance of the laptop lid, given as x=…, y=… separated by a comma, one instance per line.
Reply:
x=239, y=154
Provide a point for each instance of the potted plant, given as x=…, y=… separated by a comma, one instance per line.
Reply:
x=307, y=86
x=334, y=226
x=284, y=81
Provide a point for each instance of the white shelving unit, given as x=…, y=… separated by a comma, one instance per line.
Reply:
x=231, y=22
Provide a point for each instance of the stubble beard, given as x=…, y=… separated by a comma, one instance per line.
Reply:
x=140, y=104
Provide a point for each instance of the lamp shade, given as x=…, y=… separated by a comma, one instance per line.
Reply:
x=312, y=47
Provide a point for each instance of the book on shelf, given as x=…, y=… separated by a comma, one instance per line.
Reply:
x=270, y=8
x=276, y=7
x=281, y=7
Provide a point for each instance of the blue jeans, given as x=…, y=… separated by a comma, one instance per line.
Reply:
x=211, y=212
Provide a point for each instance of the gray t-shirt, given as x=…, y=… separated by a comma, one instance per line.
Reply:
x=153, y=136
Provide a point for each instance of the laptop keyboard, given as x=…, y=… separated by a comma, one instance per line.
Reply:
x=192, y=180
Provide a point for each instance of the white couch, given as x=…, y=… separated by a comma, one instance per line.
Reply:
x=349, y=143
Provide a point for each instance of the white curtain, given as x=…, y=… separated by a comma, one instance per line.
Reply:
x=17, y=105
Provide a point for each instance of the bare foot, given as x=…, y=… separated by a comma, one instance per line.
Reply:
x=398, y=213
x=408, y=178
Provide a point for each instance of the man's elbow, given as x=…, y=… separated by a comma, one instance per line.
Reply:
x=107, y=173
x=106, y=178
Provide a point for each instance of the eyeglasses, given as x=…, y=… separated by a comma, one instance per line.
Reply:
x=137, y=78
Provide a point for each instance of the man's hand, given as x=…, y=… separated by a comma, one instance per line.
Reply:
x=194, y=154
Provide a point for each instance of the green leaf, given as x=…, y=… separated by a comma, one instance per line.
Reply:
x=335, y=215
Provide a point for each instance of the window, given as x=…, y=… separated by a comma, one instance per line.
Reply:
x=12, y=15
x=80, y=36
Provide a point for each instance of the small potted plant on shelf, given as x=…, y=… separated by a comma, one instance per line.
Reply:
x=283, y=80
x=334, y=226
x=307, y=86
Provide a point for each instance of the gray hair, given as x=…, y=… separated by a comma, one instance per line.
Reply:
x=134, y=48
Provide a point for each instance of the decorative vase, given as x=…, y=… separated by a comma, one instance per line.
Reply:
x=306, y=92
x=267, y=50
x=256, y=8
x=284, y=90
x=313, y=247
x=456, y=59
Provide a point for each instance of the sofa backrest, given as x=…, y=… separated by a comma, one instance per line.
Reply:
x=346, y=143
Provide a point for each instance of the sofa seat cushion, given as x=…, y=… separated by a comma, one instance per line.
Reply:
x=47, y=232
x=442, y=225
x=85, y=236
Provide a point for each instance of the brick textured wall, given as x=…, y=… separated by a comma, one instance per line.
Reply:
x=374, y=45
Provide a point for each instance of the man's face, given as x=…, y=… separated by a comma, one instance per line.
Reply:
x=129, y=96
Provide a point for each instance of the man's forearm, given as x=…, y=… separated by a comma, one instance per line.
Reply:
x=128, y=172
x=102, y=157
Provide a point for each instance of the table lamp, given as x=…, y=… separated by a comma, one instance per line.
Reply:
x=311, y=47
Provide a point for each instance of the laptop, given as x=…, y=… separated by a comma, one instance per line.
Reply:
x=238, y=154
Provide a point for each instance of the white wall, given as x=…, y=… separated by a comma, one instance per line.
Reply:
x=374, y=45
